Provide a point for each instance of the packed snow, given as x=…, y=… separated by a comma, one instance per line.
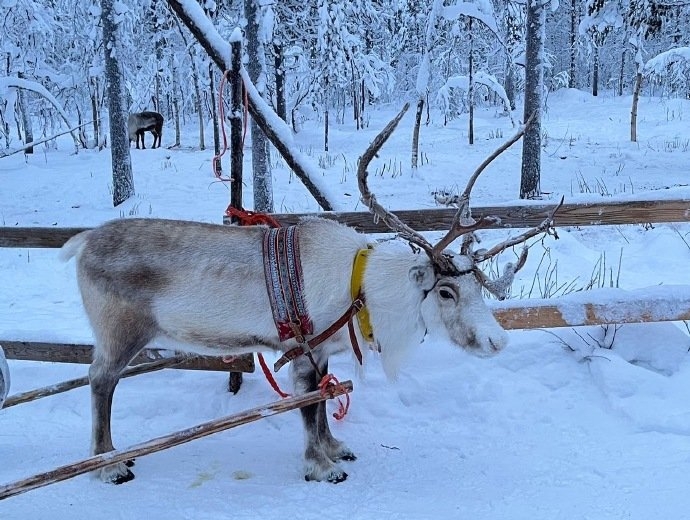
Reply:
x=592, y=422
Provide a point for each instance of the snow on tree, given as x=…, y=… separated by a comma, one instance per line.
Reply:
x=258, y=31
x=482, y=78
x=671, y=62
x=23, y=84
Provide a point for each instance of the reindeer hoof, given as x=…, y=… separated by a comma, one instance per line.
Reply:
x=348, y=457
x=337, y=477
x=130, y=463
x=121, y=479
x=334, y=477
x=115, y=474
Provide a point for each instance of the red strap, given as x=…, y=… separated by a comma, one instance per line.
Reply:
x=269, y=376
x=327, y=382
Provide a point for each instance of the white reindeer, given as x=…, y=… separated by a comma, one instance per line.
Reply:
x=201, y=287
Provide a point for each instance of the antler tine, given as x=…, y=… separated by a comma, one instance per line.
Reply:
x=500, y=287
x=510, y=142
x=369, y=199
x=463, y=222
x=545, y=227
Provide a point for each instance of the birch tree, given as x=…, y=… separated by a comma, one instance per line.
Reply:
x=123, y=180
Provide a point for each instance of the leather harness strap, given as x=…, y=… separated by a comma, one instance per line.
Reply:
x=306, y=346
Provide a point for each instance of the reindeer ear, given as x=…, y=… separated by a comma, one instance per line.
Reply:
x=423, y=276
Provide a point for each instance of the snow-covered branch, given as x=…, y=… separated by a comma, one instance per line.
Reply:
x=18, y=83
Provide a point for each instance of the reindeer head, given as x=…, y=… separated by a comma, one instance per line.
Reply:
x=451, y=282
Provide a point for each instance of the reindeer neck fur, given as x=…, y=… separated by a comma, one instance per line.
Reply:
x=394, y=302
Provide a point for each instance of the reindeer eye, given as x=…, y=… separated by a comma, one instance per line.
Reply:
x=446, y=293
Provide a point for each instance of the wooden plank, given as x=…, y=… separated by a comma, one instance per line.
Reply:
x=65, y=386
x=45, y=237
x=659, y=303
x=525, y=216
x=4, y=377
x=528, y=215
x=80, y=353
x=169, y=441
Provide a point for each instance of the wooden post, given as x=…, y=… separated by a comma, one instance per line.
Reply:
x=169, y=441
x=4, y=377
x=236, y=126
x=236, y=157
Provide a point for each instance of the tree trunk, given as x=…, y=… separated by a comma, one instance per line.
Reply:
x=197, y=101
x=218, y=168
x=415, y=132
x=595, y=72
x=26, y=117
x=574, y=23
x=470, y=90
x=325, y=130
x=261, y=173
x=633, y=111
x=281, y=105
x=175, y=100
x=123, y=180
x=355, y=95
x=530, y=176
x=236, y=120
x=95, y=113
x=621, y=77
x=510, y=83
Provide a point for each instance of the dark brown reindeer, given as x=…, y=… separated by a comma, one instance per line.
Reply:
x=140, y=122
x=199, y=288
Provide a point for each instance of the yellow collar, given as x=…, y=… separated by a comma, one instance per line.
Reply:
x=358, y=267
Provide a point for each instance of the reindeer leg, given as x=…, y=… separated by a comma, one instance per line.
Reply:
x=104, y=373
x=335, y=449
x=318, y=463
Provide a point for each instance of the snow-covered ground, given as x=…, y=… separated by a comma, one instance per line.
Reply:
x=554, y=427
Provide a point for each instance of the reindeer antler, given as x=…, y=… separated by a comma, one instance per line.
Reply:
x=462, y=223
x=500, y=286
x=369, y=199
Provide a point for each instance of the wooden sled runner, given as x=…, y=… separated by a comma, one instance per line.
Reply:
x=168, y=441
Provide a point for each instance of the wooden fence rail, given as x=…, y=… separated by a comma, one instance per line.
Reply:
x=81, y=353
x=659, y=303
x=528, y=215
